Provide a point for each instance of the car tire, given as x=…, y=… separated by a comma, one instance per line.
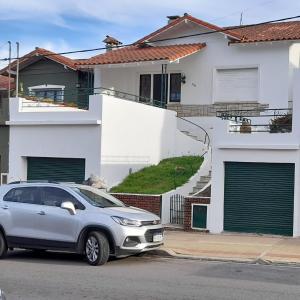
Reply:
x=96, y=248
x=3, y=246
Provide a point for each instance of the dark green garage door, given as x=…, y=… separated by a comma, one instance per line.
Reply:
x=259, y=198
x=56, y=169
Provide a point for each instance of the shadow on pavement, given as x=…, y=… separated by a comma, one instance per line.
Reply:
x=50, y=257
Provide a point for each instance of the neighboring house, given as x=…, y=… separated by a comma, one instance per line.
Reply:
x=4, y=129
x=46, y=75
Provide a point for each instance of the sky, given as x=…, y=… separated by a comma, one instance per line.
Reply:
x=66, y=25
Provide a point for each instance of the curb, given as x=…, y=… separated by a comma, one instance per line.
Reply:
x=168, y=253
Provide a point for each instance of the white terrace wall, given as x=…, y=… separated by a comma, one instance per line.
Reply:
x=114, y=136
x=50, y=132
x=135, y=135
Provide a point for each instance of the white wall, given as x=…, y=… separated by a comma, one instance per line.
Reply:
x=74, y=141
x=115, y=137
x=136, y=135
x=53, y=134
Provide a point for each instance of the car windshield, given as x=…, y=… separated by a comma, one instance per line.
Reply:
x=98, y=198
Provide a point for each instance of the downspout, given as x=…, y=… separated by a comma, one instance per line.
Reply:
x=163, y=90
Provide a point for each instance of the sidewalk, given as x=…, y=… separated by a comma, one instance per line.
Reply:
x=236, y=247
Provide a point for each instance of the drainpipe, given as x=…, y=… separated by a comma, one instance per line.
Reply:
x=163, y=90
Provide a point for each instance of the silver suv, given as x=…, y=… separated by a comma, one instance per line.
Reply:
x=74, y=218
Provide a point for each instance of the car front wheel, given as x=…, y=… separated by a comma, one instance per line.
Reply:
x=3, y=246
x=96, y=248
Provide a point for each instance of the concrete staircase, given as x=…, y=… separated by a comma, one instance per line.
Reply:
x=201, y=183
x=191, y=135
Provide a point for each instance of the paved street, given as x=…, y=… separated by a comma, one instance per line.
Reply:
x=28, y=276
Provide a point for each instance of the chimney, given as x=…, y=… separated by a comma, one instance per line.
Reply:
x=172, y=18
x=111, y=43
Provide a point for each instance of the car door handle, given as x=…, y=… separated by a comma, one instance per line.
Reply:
x=42, y=213
x=4, y=207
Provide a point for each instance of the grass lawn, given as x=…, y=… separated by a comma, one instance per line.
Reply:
x=167, y=175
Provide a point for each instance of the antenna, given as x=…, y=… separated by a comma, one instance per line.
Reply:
x=241, y=19
x=9, y=61
x=17, y=79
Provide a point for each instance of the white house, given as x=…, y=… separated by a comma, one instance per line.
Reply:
x=198, y=69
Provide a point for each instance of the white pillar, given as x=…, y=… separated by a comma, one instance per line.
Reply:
x=97, y=78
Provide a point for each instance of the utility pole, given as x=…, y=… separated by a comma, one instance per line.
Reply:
x=241, y=19
x=17, y=76
x=9, y=61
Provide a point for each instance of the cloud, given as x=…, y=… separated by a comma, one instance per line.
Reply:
x=65, y=25
x=136, y=12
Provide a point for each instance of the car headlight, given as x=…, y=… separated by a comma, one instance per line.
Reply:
x=127, y=222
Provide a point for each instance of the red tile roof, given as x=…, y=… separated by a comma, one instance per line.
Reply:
x=280, y=31
x=31, y=57
x=4, y=82
x=139, y=54
x=192, y=19
x=256, y=33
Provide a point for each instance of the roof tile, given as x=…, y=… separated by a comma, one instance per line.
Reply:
x=139, y=54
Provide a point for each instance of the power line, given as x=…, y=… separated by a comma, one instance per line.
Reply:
x=244, y=10
x=222, y=30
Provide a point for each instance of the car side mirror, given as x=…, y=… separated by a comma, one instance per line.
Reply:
x=69, y=206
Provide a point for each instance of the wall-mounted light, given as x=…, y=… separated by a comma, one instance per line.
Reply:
x=78, y=85
x=183, y=78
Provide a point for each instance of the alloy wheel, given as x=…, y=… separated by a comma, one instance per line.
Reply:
x=92, y=249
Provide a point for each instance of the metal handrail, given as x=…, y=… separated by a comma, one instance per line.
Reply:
x=91, y=91
x=278, y=120
x=207, y=137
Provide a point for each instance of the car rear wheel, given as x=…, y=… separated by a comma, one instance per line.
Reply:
x=3, y=246
x=96, y=248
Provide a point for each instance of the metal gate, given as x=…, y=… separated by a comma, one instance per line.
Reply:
x=177, y=209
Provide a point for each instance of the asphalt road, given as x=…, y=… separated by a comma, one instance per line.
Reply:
x=28, y=276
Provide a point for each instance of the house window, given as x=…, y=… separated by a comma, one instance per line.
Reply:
x=52, y=92
x=236, y=85
x=145, y=87
x=175, y=87
x=162, y=88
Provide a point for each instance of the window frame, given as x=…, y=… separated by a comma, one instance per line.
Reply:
x=61, y=189
x=48, y=87
x=19, y=188
x=152, y=84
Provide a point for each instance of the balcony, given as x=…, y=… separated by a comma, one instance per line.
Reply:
x=258, y=121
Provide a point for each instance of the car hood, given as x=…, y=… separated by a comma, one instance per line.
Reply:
x=131, y=212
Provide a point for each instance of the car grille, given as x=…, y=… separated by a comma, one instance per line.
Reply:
x=149, y=234
x=154, y=222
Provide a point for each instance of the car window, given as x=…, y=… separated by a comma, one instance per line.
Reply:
x=52, y=196
x=98, y=198
x=29, y=195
